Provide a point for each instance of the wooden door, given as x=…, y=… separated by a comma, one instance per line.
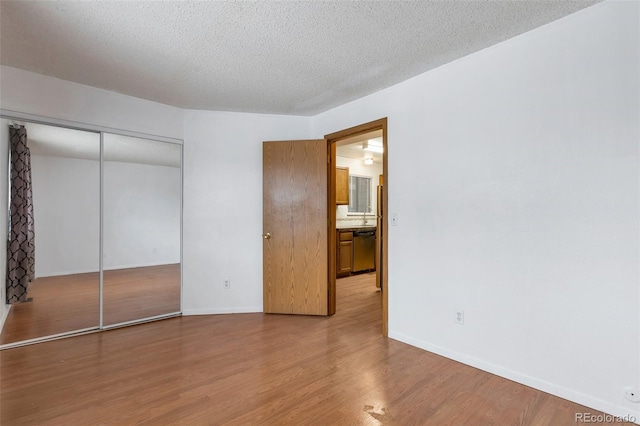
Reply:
x=295, y=272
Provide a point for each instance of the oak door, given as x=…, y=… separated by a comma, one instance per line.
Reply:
x=295, y=268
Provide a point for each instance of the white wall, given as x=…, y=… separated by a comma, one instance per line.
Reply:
x=514, y=172
x=4, y=202
x=37, y=94
x=358, y=168
x=66, y=209
x=223, y=206
x=141, y=216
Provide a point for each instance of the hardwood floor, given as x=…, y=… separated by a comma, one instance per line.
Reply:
x=136, y=293
x=256, y=369
x=70, y=302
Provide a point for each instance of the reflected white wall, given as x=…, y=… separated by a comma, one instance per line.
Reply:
x=66, y=208
x=141, y=215
x=141, y=219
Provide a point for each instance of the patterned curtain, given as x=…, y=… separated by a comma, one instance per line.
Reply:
x=21, y=244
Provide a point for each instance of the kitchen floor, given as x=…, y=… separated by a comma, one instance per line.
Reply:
x=357, y=296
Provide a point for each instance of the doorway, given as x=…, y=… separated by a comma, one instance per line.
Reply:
x=352, y=213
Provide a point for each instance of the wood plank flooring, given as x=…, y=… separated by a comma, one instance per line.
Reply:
x=257, y=369
x=135, y=293
x=70, y=302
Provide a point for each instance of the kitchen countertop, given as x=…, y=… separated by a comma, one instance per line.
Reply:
x=349, y=228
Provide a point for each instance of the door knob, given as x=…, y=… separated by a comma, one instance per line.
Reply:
x=267, y=236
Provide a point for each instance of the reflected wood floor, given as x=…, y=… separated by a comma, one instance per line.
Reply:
x=70, y=302
x=256, y=369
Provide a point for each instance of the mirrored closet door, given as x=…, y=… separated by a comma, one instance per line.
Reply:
x=141, y=243
x=51, y=271
x=93, y=229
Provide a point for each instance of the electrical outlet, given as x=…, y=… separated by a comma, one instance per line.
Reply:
x=459, y=318
x=631, y=394
x=226, y=283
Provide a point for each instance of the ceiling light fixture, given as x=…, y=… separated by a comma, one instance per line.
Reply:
x=373, y=145
x=368, y=161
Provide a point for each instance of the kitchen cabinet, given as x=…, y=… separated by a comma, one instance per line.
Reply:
x=342, y=186
x=345, y=253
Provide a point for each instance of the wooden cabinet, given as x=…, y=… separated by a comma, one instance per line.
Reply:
x=345, y=253
x=342, y=186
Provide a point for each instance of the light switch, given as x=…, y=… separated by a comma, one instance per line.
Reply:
x=394, y=219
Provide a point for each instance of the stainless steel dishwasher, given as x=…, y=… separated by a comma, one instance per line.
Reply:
x=364, y=250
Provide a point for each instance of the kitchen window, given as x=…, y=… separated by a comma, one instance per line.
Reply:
x=359, y=194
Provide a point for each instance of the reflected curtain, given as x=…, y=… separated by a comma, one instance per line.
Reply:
x=21, y=244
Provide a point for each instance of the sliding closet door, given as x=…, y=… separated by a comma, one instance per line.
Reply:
x=63, y=296
x=141, y=228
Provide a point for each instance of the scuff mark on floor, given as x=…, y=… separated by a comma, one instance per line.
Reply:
x=385, y=418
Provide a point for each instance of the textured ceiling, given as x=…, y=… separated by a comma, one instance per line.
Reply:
x=294, y=57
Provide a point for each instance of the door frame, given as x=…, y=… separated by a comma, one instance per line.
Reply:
x=331, y=139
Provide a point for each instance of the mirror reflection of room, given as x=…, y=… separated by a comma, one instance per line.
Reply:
x=51, y=274
x=52, y=265
x=142, y=205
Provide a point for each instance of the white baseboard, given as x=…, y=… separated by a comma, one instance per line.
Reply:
x=219, y=311
x=111, y=268
x=139, y=265
x=59, y=274
x=551, y=388
x=4, y=316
